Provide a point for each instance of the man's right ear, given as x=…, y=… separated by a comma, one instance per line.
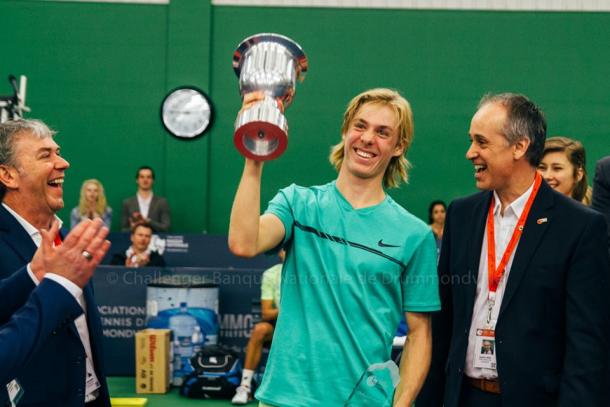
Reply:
x=9, y=177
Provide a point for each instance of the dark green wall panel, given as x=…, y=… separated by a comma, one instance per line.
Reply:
x=186, y=162
x=98, y=73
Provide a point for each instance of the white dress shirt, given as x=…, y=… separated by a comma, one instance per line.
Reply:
x=504, y=225
x=144, y=204
x=76, y=291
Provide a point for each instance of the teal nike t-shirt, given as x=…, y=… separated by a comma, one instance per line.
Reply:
x=349, y=276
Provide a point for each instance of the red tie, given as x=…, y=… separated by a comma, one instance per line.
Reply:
x=57, y=240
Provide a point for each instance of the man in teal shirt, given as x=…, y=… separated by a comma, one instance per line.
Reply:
x=356, y=261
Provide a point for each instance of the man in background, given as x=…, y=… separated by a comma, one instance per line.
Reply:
x=145, y=206
x=139, y=253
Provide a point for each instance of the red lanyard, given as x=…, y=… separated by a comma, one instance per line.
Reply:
x=494, y=275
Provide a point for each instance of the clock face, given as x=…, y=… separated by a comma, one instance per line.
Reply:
x=186, y=112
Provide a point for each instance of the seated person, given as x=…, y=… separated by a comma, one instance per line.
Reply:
x=263, y=331
x=139, y=254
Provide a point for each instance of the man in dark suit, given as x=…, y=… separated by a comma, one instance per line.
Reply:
x=67, y=369
x=145, y=206
x=601, y=191
x=525, y=267
x=51, y=304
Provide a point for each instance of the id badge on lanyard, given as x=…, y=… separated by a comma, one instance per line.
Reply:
x=485, y=349
x=92, y=383
x=485, y=342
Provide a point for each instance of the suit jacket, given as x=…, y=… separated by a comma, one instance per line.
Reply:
x=601, y=191
x=158, y=213
x=552, y=329
x=49, y=307
x=55, y=374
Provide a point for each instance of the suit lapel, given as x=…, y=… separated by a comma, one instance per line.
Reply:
x=134, y=205
x=151, y=209
x=479, y=217
x=15, y=236
x=528, y=243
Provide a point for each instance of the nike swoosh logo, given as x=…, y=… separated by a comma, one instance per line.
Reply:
x=381, y=244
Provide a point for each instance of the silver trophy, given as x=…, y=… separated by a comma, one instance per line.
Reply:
x=271, y=63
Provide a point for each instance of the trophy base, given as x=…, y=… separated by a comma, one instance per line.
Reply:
x=260, y=140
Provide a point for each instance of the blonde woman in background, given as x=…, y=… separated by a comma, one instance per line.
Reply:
x=563, y=167
x=92, y=204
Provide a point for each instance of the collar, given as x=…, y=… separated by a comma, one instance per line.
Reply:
x=145, y=199
x=516, y=206
x=29, y=228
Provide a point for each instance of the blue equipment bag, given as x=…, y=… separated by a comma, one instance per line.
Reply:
x=216, y=375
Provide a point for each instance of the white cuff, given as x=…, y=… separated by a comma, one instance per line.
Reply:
x=31, y=274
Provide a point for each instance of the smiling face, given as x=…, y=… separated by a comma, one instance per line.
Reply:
x=371, y=142
x=490, y=152
x=38, y=175
x=559, y=172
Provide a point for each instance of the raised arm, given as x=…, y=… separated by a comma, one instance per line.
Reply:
x=249, y=232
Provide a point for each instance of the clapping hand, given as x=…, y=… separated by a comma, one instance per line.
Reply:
x=77, y=257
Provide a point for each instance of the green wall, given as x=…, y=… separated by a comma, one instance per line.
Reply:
x=98, y=73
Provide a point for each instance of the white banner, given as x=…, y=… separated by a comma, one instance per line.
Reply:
x=117, y=1
x=492, y=5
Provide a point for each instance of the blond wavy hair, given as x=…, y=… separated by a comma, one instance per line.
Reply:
x=101, y=205
x=397, y=170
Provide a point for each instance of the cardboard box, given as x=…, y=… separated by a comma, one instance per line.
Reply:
x=153, y=360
